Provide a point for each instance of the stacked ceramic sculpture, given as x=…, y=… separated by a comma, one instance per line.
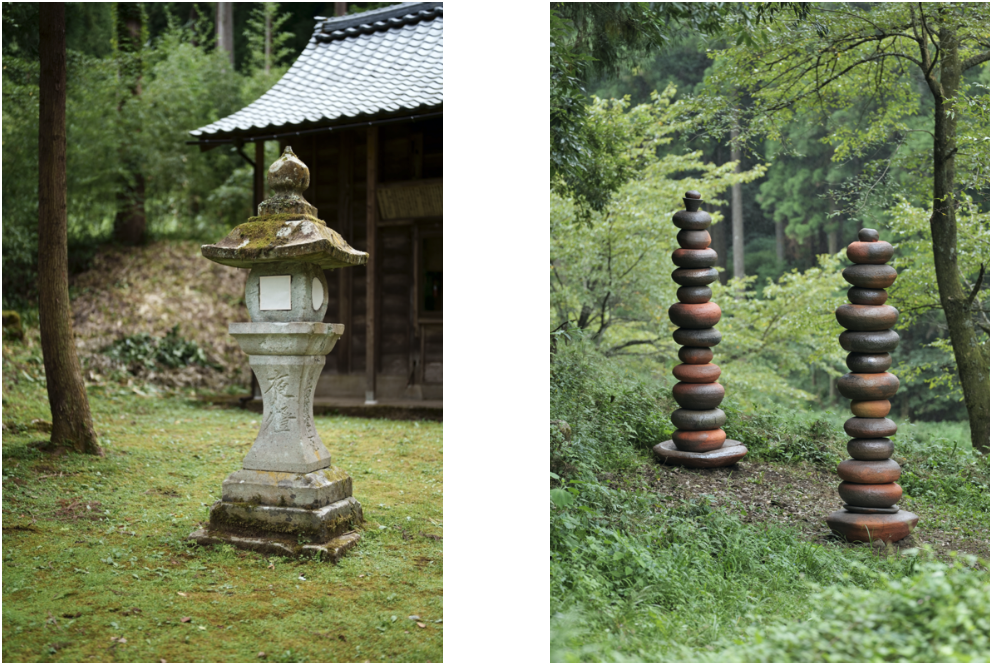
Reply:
x=699, y=440
x=869, y=489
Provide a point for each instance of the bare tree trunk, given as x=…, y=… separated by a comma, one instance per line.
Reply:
x=737, y=217
x=268, y=39
x=225, y=29
x=971, y=358
x=719, y=243
x=781, y=241
x=72, y=425
x=130, y=222
x=340, y=8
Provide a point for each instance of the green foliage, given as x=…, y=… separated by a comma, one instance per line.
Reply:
x=788, y=437
x=937, y=614
x=610, y=275
x=610, y=413
x=188, y=194
x=146, y=351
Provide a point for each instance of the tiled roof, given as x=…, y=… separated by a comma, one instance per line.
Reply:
x=378, y=62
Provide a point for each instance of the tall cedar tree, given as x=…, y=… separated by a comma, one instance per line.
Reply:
x=130, y=223
x=72, y=425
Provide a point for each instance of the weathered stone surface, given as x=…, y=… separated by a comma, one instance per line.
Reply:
x=870, y=252
x=695, y=315
x=858, y=527
x=287, y=489
x=287, y=440
x=869, y=341
x=693, y=238
x=867, y=297
x=893, y=509
x=870, y=449
x=698, y=294
x=315, y=525
x=870, y=409
x=282, y=238
x=870, y=495
x=301, y=277
x=696, y=220
x=698, y=420
x=693, y=258
x=856, y=317
x=873, y=276
x=860, y=362
x=695, y=355
x=868, y=386
x=867, y=235
x=330, y=551
x=858, y=427
x=698, y=441
x=698, y=396
x=697, y=373
x=286, y=338
x=694, y=277
x=869, y=472
x=697, y=337
x=732, y=452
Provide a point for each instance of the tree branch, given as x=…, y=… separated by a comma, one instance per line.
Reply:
x=975, y=60
x=978, y=286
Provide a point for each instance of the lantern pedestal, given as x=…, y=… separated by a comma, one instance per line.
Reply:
x=286, y=499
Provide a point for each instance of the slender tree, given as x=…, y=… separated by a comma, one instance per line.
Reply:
x=130, y=221
x=72, y=425
x=225, y=29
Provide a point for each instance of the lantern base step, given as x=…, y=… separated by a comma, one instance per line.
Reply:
x=728, y=454
x=858, y=527
x=331, y=551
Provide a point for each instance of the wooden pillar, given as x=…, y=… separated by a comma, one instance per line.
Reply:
x=346, y=182
x=258, y=188
x=372, y=159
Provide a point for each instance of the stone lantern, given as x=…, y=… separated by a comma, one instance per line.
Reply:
x=287, y=499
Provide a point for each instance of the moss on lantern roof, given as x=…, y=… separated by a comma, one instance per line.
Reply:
x=285, y=230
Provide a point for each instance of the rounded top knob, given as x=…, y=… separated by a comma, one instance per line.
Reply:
x=868, y=235
x=288, y=175
x=693, y=194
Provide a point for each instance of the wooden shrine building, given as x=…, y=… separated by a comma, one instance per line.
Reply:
x=362, y=107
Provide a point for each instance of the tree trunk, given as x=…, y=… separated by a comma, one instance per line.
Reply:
x=973, y=369
x=268, y=39
x=130, y=222
x=340, y=8
x=781, y=241
x=737, y=217
x=72, y=425
x=719, y=243
x=225, y=29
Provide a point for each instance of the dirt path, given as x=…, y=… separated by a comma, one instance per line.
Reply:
x=798, y=495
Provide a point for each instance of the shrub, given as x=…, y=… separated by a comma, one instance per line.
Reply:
x=146, y=351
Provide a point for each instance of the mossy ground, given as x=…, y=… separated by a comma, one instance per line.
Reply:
x=96, y=566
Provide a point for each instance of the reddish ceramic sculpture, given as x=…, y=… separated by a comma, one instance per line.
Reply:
x=699, y=440
x=868, y=488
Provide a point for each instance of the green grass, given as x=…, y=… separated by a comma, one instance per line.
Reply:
x=636, y=578
x=95, y=548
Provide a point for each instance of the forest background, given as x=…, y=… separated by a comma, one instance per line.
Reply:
x=799, y=123
x=140, y=77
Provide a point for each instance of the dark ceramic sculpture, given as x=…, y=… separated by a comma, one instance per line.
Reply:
x=699, y=441
x=869, y=489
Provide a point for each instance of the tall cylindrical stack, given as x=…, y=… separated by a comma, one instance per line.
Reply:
x=869, y=488
x=699, y=440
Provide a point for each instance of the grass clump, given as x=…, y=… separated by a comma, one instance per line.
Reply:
x=146, y=351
